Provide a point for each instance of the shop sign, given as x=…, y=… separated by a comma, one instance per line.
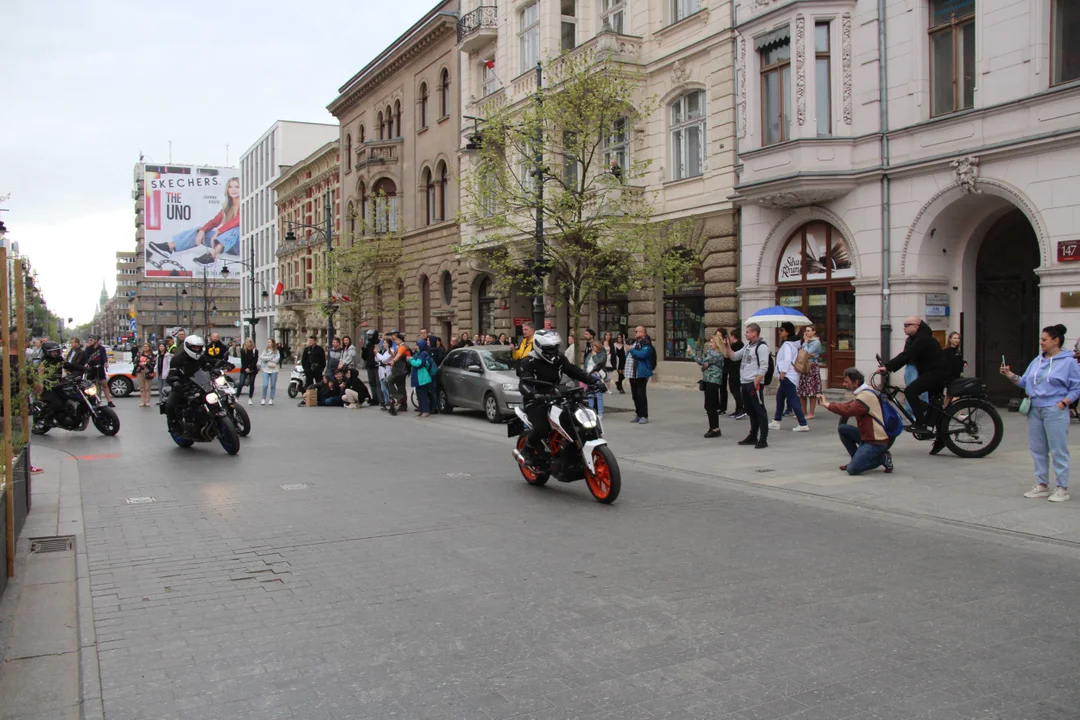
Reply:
x=1069, y=251
x=937, y=311
x=937, y=299
x=519, y=321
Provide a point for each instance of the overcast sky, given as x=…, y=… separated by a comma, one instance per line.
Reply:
x=89, y=84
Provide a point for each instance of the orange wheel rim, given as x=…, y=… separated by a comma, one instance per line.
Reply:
x=600, y=479
x=527, y=471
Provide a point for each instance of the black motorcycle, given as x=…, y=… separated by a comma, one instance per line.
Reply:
x=227, y=395
x=81, y=407
x=202, y=417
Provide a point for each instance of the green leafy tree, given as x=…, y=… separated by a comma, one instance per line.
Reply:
x=574, y=144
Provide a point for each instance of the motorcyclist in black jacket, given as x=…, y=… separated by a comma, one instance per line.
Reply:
x=188, y=359
x=49, y=370
x=539, y=372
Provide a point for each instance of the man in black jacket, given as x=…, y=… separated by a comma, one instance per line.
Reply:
x=925, y=353
x=313, y=361
x=367, y=355
x=188, y=359
x=216, y=351
x=539, y=372
x=97, y=358
x=730, y=381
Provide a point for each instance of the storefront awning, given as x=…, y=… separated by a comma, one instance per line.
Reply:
x=776, y=37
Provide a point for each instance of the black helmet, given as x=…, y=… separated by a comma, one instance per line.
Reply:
x=52, y=351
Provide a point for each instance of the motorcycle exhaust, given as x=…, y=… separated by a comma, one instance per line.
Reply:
x=518, y=456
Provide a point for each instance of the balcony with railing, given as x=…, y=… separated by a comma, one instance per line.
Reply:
x=477, y=28
x=295, y=296
x=379, y=152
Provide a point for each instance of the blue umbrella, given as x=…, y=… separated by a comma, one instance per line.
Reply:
x=773, y=316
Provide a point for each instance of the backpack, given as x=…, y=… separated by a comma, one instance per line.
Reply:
x=772, y=365
x=802, y=361
x=890, y=421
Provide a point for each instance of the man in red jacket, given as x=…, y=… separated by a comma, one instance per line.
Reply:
x=867, y=442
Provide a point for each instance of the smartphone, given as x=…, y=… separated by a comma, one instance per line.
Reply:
x=1002, y=361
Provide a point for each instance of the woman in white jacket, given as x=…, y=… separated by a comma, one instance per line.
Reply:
x=788, y=389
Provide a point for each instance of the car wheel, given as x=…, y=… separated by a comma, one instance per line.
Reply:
x=120, y=386
x=444, y=402
x=491, y=409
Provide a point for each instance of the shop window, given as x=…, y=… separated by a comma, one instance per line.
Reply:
x=684, y=318
x=613, y=315
x=815, y=252
x=952, y=55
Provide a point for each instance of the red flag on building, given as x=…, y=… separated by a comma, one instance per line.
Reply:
x=490, y=64
x=280, y=288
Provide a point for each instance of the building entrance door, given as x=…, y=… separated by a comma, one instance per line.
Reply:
x=1006, y=303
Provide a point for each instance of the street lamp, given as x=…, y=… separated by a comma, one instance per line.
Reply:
x=328, y=233
x=225, y=272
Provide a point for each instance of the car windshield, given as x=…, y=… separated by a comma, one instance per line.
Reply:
x=497, y=359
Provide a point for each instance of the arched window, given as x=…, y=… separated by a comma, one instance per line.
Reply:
x=389, y=123
x=386, y=215
x=348, y=153
x=363, y=208
x=442, y=172
x=429, y=196
x=814, y=277
x=397, y=117
x=425, y=301
x=446, y=280
x=361, y=134
x=444, y=93
x=423, y=105
x=382, y=126
x=401, y=306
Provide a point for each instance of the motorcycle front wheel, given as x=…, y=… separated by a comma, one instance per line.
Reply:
x=604, y=481
x=227, y=436
x=294, y=390
x=107, y=421
x=242, y=421
x=181, y=440
x=40, y=428
x=533, y=477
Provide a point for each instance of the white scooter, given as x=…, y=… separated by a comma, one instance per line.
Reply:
x=296, y=381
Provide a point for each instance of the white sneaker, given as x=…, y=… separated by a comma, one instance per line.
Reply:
x=271, y=402
x=1060, y=495
x=1038, y=491
x=250, y=401
x=263, y=401
x=801, y=428
x=774, y=425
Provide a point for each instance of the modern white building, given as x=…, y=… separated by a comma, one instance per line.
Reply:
x=953, y=195
x=283, y=144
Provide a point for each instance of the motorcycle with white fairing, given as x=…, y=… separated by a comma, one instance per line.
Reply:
x=575, y=449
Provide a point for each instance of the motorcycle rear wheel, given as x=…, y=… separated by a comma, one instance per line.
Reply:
x=531, y=476
x=181, y=440
x=227, y=436
x=107, y=422
x=605, y=481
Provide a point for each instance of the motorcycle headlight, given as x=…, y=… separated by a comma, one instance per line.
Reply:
x=586, y=417
x=212, y=398
x=220, y=381
x=510, y=387
x=91, y=391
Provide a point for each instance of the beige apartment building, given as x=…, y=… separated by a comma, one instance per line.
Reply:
x=685, y=51
x=400, y=136
x=303, y=191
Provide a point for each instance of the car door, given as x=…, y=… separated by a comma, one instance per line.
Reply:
x=450, y=376
x=473, y=384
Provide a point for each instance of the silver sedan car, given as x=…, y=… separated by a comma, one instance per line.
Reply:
x=479, y=378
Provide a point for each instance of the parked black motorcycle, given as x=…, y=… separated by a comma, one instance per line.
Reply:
x=227, y=395
x=202, y=418
x=81, y=407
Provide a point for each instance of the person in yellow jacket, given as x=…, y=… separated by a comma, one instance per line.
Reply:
x=526, y=345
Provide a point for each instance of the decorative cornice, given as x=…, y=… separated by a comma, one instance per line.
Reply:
x=742, y=84
x=365, y=84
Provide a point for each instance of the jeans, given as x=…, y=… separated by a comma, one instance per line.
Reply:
x=249, y=380
x=384, y=390
x=639, y=391
x=1048, y=439
x=754, y=405
x=423, y=397
x=269, y=380
x=597, y=401
x=864, y=456
x=712, y=404
x=186, y=240
x=789, y=392
x=910, y=373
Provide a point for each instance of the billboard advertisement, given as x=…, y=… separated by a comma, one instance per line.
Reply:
x=192, y=220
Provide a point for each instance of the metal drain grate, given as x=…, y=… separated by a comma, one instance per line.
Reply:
x=62, y=543
x=140, y=500
x=295, y=486
x=765, y=470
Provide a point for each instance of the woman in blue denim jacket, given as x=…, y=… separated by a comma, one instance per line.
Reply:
x=712, y=375
x=1052, y=383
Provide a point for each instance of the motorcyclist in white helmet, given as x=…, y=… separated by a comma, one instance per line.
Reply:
x=539, y=372
x=188, y=359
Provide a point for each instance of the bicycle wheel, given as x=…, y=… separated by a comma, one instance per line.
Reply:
x=973, y=428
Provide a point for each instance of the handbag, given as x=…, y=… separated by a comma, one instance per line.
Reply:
x=701, y=385
x=802, y=361
x=1025, y=406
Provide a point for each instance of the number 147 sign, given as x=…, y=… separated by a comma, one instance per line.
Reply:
x=1069, y=251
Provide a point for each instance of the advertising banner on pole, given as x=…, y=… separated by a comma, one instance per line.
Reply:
x=192, y=220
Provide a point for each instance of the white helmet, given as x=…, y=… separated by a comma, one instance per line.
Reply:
x=546, y=345
x=193, y=346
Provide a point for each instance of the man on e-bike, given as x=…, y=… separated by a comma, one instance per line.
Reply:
x=926, y=354
x=540, y=371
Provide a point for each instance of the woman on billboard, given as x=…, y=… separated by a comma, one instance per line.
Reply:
x=221, y=234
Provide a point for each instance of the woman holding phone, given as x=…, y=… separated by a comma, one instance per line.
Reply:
x=1051, y=383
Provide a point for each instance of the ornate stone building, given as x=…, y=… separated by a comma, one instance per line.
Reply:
x=685, y=51
x=934, y=175
x=400, y=133
x=302, y=193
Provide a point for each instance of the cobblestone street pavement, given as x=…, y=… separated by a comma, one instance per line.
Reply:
x=406, y=571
